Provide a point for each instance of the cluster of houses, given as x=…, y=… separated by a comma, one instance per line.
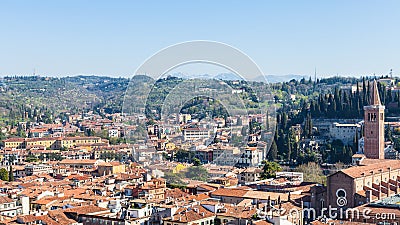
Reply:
x=210, y=141
x=99, y=192
x=19, y=150
x=87, y=185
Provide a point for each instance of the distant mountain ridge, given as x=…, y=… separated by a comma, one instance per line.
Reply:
x=279, y=78
x=221, y=76
x=232, y=76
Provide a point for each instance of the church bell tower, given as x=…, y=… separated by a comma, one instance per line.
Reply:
x=374, y=126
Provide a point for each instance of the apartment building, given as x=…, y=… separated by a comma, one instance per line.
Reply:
x=197, y=133
x=9, y=207
x=38, y=169
x=50, y=142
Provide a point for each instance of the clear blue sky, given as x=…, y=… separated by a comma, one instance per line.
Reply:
x=59, y=38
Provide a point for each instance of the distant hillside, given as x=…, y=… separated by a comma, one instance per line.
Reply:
x=232, y=76
x=23, y=97
x=279, y=78
x=221, y=76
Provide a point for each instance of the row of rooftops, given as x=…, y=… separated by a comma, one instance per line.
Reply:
x=51, y=139
x=370, y=167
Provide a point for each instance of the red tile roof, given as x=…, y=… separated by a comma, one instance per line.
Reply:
x=360, y=171
x=4, y=200
x=85, y=209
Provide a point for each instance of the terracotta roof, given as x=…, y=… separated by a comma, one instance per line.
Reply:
x=230, y=192
x=109, y=164
x=362, y=193
x=4, y=199
x=78, y=161
x=272, y=195
x=32, y=218
x=210, y=202
x=358, y=156
x=262, y=222
x=207, y=187
x=43, y=139
x=14, y=140
x=191, y=214
x=175, y=193
x=78, y=177
x=237, y=211
x=198, y=197
x=360, y=171
x=289, y=206
x=44, y=201
x=252, y=170
x=81, y=138
x=59, y=216
x=85, y=209
x=125, y=176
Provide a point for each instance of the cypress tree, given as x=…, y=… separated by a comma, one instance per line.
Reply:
x=273, y=151
x=355, y=143
x=349, y=155
x=11, y=174
x=289, y=148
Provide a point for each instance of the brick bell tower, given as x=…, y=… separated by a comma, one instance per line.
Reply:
x=374, y=126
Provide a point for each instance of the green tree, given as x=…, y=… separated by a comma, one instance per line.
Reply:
x=270, y=169
x=239, y=122
x=11, y=174
x=273, y=151
x=197, y=173
x=338, y=151
x=348, y=154
x=308, y=126
x=182, y=155
x=388, y=134
x=3, y=174
x=244, y=130
x=312, y=172
x=12, y=158
x=288, y=147
x=196, y=162
x=355, y=143
x=281, y=143
x=284, y=120
x=173, y=178
x=31, y=158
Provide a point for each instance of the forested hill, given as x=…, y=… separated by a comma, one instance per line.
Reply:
x=36, y=98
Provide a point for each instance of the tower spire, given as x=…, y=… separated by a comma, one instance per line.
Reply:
x=375, y=100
